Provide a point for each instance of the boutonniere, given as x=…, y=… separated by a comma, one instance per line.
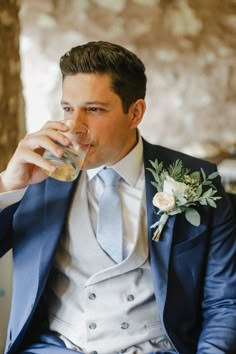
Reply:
x=178, y=191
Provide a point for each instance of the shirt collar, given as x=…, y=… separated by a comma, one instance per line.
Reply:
x=129, y=168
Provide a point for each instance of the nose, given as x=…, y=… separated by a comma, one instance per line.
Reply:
x=79, y=126
x=78, y=118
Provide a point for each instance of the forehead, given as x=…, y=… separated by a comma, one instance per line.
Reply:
x=93, y=81
x=88, y=87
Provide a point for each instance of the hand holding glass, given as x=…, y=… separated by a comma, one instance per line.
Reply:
x=69, y=165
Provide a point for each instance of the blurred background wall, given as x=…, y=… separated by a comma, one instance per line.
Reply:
x=11, y=99
x=188, y=47
x=11, y=125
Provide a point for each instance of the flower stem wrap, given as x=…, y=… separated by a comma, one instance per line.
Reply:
x=160, y=225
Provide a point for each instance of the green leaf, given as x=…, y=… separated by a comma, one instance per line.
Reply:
x=208, y=193
x=216, y=198
x=199, y=190
x=174, y=212
x=214, y=191
x=203, y=174
x=203, y=202
x=206, y=183
x=195, y=175
x=213, y=175
x=181, y=200
x=177, y=171
x=192, y=216
x=211, y=203
x=153, y=163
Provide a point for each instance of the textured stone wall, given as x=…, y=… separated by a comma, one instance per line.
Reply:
x=11, y=108
x=188, y=46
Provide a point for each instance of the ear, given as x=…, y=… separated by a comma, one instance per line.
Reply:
x=136, y=112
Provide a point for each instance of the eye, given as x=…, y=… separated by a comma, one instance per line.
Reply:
x=67, y=109
x=93, y=109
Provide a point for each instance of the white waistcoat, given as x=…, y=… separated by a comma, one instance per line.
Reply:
x=100, y=306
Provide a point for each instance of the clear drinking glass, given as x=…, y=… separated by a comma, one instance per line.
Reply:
x=69, y=165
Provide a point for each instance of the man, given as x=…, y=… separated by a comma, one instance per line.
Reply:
x=177, y=295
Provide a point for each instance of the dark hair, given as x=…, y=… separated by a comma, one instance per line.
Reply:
x=126, y=70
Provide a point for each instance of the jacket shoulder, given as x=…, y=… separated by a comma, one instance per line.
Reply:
x=169, y=156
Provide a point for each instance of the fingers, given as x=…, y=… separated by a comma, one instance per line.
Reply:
x=24, y=155
x=44, y=140
x=26, y=163
x=47, y=138
x=56, y=125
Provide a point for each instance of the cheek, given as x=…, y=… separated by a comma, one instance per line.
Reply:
x=112, y=140
x=111, y=133
x=105, y=134
x=108, y=144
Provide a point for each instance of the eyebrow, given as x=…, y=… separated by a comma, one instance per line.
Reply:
x=87, y=103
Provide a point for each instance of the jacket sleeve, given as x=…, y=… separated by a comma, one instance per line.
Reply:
x=218, y=334
x=8, y=204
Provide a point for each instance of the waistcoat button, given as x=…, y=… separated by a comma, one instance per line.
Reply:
x=92, y=296
x=130, y=297
x=92, y=325
x=124, y=325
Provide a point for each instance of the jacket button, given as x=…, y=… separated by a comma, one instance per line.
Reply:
x=124, y=325
x=92, y=296
x=92, y=325
x=130, y=297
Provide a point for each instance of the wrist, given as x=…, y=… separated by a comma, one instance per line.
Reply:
x=6, y=185
x=3, y=187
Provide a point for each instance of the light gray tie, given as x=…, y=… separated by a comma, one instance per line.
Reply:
x=109, y=225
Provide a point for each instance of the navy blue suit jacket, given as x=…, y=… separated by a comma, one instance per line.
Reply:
x=193, y=268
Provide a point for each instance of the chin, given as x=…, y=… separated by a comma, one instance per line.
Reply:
x=88, y=165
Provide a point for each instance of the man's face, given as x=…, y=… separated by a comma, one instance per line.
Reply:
x=89, y=99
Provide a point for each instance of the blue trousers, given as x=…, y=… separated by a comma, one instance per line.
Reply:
x=51, y=344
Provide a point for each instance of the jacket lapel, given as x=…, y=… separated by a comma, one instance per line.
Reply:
x=159, y=251
x=43, y=209
x=57, y=200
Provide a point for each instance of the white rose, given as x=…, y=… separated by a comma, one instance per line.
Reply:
x=173, y=187
x=164, y=201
